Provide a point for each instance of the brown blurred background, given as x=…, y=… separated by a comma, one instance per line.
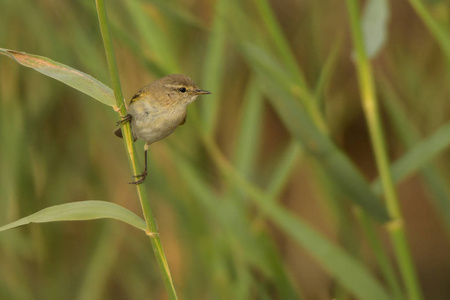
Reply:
x=58, y=147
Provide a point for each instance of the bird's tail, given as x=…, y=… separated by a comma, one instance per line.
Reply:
x=125, y=119
x=118, y=132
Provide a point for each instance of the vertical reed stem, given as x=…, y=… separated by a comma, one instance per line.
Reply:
x=369, y=101
x=152, y=230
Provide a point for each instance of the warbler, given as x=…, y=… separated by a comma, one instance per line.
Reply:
x=157, y=109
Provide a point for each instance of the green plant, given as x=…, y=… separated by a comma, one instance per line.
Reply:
x=86, y=210
x=241, y=191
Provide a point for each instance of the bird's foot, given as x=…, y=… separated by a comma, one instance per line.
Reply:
x=125, y=119
x=141, y=176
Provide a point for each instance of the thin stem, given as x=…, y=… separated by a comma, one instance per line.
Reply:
x=440, y=33
x=152, y=230
x=370, y=105
x=380, y=255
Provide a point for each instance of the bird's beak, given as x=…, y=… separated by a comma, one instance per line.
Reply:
x=200, y=92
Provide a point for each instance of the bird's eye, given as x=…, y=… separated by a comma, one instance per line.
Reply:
x=183, y=90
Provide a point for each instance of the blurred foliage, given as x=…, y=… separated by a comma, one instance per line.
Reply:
x=254, y=196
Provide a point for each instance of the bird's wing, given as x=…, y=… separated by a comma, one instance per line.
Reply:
x=136, y=96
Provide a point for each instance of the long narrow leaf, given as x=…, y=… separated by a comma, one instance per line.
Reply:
x=301, y=126
x=419, y=155
x=78, y=211
x=70, y=76
x=213, y=70
x=345, y=268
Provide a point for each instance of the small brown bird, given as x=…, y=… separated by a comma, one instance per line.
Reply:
x=158, y=109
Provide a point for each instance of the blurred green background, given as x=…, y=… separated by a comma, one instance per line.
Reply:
x=58, y=147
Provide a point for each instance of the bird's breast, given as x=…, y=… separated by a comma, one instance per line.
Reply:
x=152, y=123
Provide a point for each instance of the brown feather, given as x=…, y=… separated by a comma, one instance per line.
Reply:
x=118, y=132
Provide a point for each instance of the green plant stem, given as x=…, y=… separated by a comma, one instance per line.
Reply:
x=369, y=101
x=380, y=255
x=152, y=230
x=440, y=33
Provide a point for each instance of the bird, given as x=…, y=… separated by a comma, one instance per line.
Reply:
x=157, y=109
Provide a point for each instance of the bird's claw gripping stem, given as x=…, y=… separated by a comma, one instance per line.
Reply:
x=141, y=176
x=125, y=119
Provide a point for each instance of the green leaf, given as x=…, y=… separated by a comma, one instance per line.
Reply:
x=70, y=76
x=214, y=66
x=419, y=155
x=350, y=272
x=374, y=25
x=279, y=87
x=78, y=211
